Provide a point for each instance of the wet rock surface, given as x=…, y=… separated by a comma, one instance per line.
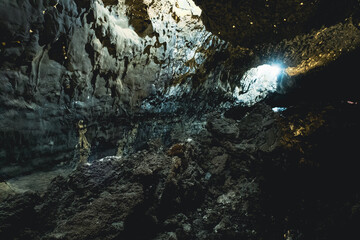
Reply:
x=263, y=175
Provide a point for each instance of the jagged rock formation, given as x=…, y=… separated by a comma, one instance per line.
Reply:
x=67, y=61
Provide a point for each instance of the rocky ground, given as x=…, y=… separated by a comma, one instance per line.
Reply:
x=254, y=175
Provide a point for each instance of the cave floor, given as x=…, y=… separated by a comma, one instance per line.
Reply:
x=256, y=175
x=35, y=182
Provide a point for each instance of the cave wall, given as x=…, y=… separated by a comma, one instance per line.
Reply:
x=67, y=61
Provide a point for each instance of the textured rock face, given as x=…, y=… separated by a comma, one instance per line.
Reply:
x=67, y=61
x=86, y=79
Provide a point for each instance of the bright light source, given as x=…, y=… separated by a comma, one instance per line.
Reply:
x=278, y=109
x=269, y=71
x=257, y=83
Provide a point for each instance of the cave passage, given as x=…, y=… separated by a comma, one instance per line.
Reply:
x=179, y=119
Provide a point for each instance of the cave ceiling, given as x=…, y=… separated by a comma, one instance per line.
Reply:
x=252, y=22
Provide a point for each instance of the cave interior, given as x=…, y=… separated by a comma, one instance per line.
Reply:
x=179, y=119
